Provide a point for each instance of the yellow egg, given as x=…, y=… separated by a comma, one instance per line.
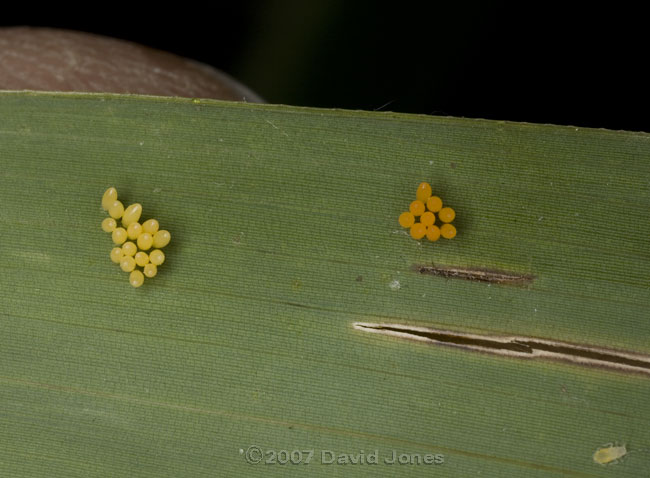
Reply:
x=127, y=264
x=134, y=230
x=119, y=235
x=448, y=231
x=109, y=197
x=161, y=239
x=116, y=255
x=150, y=270
x=447, y=214
x=416, y=208
x=406, y=219
x=151, y=226
x=423, y=192
x=109, y=224
x=145, y=241
x=131, y=214
x=418, y=230
x=433, y=233
x=129, y=249
x=157, y=257
x=428, y=218
x=141, y=258
x=116, y=210
x=136, y=278
x=434, y=204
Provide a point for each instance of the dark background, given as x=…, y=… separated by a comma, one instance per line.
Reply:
x=574, y=65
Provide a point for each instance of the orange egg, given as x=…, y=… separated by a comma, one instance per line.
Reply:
x=418, y=230
x=433, y=233
x=423, y=192
x=416, y=208
x=434, y=204
x=406, y=219
x=448, y=231
x=428, y=218
x=447, y=214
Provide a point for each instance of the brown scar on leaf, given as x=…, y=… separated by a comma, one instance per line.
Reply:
x=517, y=346
x=476, y=274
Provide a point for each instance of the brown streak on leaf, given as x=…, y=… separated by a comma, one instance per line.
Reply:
x=518, y=346
x=476, y=274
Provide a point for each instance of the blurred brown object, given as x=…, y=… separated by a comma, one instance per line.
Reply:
x=62, y=60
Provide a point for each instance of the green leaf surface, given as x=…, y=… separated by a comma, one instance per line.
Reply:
x=284, y=233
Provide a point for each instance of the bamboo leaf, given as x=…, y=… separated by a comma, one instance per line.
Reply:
x=285, y=234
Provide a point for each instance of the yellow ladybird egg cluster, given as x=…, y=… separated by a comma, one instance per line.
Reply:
x=133, y=239
x=425, y=207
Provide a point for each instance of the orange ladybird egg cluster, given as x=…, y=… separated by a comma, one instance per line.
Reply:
x=133, y=239
x=425, y=207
